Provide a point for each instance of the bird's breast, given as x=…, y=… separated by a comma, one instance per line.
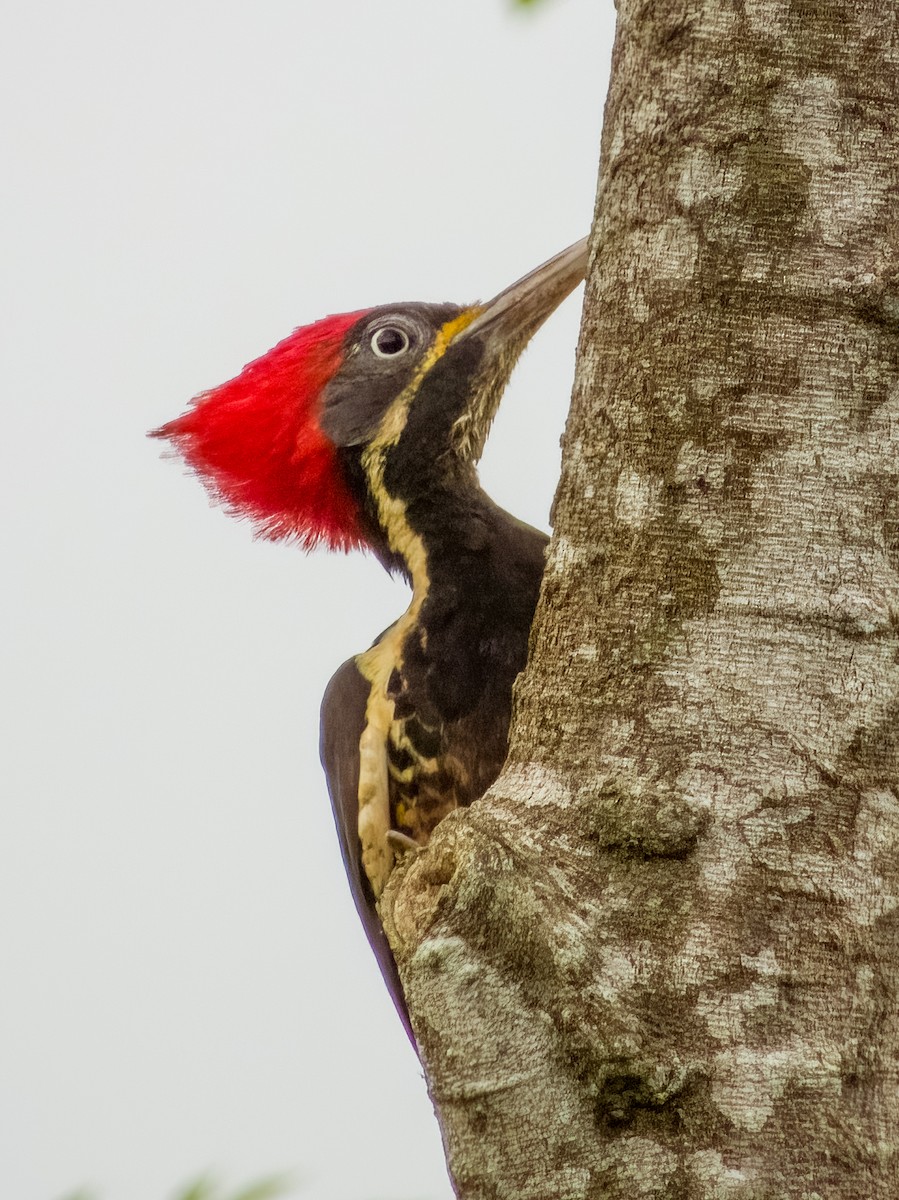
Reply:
x=416, y=765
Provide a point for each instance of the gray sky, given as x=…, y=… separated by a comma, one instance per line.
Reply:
x=184, y=982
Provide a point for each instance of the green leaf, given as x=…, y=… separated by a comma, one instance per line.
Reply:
x=205, y=1188
x=202, y=1189
x=265, y=1189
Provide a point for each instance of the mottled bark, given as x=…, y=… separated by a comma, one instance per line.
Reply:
x=661, y=957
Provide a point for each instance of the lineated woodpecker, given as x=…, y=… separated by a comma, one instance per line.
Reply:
x=364, y=429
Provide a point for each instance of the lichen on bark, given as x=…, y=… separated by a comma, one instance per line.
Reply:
x=661, y=956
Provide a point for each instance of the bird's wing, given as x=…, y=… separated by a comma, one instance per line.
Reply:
x=342, y=725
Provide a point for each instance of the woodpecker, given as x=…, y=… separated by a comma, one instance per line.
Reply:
x=364, y=430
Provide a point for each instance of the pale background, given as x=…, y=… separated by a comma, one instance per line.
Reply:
x=184, y=982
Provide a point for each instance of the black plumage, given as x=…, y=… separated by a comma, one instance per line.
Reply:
x=418, y=725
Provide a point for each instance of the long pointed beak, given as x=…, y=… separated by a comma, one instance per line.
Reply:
x=519, y=311
x=504, y=326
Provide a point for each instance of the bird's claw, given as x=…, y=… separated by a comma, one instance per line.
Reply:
x=401, y=843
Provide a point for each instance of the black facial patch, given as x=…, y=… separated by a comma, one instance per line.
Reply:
x=417, y=463
x=362, y=390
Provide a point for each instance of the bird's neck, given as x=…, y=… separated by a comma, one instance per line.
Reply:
x=465, y=558
x=437, y=532
x=475, y=573
x=439, y=529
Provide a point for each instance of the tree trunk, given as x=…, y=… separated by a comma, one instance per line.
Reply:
x=660, y=957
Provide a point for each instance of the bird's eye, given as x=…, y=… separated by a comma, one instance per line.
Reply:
x=390, y=341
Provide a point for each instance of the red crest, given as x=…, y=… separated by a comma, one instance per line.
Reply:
x=257, y=445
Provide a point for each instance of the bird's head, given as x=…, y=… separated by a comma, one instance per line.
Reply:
x=299, y=441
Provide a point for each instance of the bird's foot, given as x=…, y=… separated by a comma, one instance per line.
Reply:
x=400, y=843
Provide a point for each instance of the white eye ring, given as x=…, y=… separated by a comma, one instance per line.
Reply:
x=389, y=341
